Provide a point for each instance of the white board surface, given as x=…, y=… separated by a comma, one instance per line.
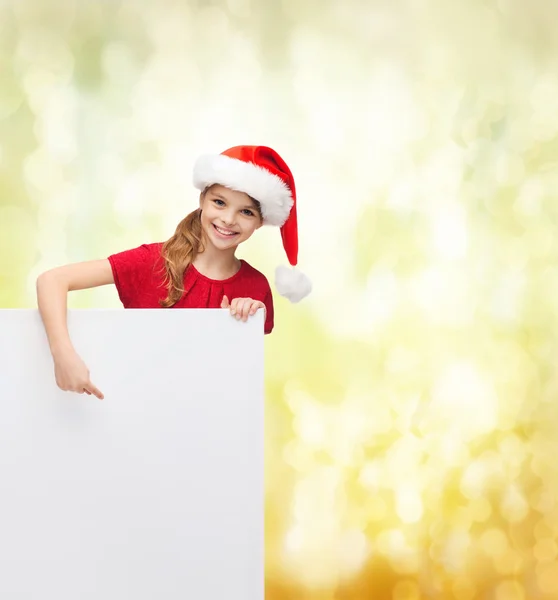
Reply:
x=156, y=492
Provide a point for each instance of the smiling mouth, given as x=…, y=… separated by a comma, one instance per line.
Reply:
x=225, y=232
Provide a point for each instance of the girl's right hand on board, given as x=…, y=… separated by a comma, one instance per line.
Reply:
x=72, y=374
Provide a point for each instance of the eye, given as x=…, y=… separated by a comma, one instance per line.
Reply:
x=218, y=202
x=248, y=212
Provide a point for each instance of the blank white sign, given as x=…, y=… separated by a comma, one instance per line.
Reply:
x=156, y=492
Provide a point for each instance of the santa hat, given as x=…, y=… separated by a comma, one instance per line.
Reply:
x=262, y=174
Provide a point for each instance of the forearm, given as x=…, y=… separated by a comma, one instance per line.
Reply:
x=52, y=300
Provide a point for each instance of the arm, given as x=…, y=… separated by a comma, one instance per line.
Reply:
x=52, y=291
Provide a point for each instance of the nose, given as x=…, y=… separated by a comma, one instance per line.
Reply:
x=229, y=218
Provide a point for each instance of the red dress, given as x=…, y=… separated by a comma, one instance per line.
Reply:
x=139, y=278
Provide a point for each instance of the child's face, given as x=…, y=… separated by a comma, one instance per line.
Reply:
x=228, y=217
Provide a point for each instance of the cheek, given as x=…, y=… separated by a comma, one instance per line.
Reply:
x=206, y=216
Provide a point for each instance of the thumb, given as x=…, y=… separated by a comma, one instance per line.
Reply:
x=225, y=302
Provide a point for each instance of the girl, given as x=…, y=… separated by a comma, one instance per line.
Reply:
x=242, y=189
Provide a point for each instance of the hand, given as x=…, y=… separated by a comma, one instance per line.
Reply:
x=242, y=308
x=72, y=375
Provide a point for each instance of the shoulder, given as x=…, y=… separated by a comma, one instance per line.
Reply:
x=142, y=259
x=153, y=249
x=139, y=254
x=256, y=278
x=137, y=273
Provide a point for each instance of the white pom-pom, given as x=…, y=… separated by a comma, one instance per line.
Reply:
x=292, y=283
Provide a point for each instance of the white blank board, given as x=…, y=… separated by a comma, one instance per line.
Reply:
x=155, y=492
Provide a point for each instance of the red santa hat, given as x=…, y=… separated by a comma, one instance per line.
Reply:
x=262, y=174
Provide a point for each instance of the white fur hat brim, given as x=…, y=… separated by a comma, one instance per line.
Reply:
x=268, y=189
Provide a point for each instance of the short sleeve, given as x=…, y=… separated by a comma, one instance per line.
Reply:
x=269, y=315
x=131, y=270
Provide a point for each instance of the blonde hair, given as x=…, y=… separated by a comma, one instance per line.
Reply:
x=180, y=251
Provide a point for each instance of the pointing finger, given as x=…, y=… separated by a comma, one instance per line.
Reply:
x=95, y=391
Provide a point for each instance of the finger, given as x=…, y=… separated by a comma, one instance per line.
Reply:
x=238, y=308
x=87, y=392
x=255, y=307
x=225, y=302
x=95, y=391
x=234, y=305
x=246, y=309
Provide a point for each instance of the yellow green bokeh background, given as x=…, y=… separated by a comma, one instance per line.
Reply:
x=412, y=400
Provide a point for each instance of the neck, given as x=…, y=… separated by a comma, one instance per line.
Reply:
x=217, y=264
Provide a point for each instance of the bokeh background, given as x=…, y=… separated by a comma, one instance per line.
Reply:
x=412, y=400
